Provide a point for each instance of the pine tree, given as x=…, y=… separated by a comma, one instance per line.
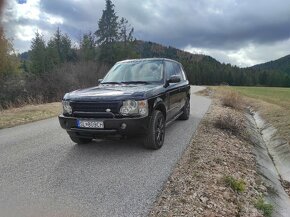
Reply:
x=125, y=31
x=59, y=49
x=108, y=25
x=88, y=47
x=38, y=55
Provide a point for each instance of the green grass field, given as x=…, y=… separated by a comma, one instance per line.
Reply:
x=274, y=95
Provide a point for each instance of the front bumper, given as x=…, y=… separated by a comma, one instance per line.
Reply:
x=112, y=126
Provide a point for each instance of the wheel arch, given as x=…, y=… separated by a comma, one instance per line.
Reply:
x=160, y=105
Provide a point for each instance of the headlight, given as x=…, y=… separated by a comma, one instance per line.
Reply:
x=66, y=107
x=133, y=107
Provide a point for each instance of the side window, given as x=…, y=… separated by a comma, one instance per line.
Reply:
x=169, y=69
x=177, y=70
x=183, y=73
x=173, y=68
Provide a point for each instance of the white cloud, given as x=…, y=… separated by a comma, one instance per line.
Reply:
x=26, y=33
x=21, y=21
x=29, y=10
x=249, y=55
x=54, y=19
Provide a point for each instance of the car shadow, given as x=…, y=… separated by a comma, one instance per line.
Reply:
x=110, y=148
x=111, y=143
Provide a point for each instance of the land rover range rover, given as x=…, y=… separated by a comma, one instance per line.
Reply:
x=140, y=96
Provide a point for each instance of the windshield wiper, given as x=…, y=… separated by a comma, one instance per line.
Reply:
x=126, y=82
x=135, y=82
x=112, y=82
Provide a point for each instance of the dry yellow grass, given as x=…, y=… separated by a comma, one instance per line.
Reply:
x=272, y=103
x=231, y=99
x=28, y=113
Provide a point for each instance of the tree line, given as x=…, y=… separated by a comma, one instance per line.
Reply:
x=49, y=69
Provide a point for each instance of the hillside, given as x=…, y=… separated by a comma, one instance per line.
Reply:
x=205, y=70
x=201, y=69
x=281, y=65
x=151, y=49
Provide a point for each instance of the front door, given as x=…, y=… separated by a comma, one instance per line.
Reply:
x=173, y=90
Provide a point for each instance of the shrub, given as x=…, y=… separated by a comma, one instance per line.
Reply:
x=266, y=208
x=49, y=86
x=11, y=91
x=228, y=122
x=232, y=99
x=236, y=185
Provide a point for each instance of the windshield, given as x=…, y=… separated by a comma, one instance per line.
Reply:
x=136, y=72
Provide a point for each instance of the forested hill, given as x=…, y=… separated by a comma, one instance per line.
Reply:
x=281, y=65
x=200, y=69
x=151, y=49
x=205, y=70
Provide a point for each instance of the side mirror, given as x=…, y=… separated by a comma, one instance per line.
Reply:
x=100, y=80
x=174, y=79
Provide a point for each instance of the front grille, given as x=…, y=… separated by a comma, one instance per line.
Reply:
x=95, y=109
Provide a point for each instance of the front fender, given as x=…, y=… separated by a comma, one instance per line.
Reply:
x=160, y=105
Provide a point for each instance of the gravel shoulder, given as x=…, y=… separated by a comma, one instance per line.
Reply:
x=199, y=184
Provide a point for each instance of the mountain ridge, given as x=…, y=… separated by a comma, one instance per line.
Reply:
x=282, y=65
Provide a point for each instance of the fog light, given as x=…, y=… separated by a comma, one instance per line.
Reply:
x=123, y=126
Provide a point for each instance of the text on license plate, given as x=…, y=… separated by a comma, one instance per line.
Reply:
x=90, y=124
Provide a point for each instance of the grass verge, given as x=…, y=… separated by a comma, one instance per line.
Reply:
x=29, y=113
x=272, y=103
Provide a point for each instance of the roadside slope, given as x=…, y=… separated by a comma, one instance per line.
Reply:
x=217, y=174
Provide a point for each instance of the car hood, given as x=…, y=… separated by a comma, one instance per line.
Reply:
x=114, y=92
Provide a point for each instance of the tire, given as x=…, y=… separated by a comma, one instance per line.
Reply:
x=79, y=140
x=185, y=111
x=156, y=132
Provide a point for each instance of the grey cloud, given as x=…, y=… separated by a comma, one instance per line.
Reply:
x=80, y=14
x=69, y=10
x=226, y=26
x=228, y=23
x=223, y=24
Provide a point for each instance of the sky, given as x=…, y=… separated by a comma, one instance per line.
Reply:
x=239, y=32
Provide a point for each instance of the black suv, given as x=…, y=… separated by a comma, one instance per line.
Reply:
x=138, y=96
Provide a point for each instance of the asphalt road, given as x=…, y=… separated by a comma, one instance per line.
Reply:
x=43, y=173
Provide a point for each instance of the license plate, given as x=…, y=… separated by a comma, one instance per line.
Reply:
x=90, y=124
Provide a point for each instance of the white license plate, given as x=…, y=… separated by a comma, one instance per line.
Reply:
x=90, y=124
